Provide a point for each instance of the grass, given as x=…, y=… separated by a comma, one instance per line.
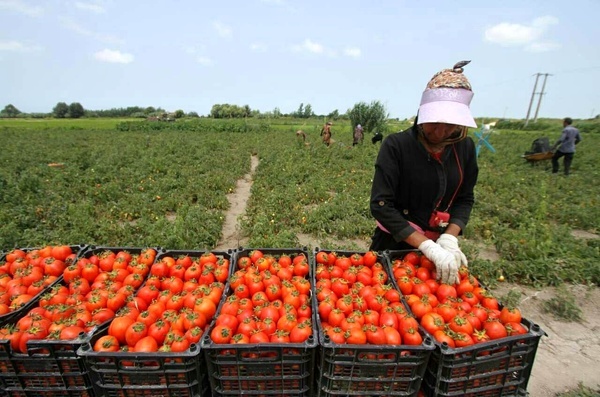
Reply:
x=563, y=306
x=580, y=391
x=168, y=188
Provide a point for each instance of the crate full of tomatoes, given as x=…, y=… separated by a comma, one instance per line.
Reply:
x=263, y=340
x=482, y=347
x=38, y=351
x=370, y=344
x=26, y=273
x=152, y=346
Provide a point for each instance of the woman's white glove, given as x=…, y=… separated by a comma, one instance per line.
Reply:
x=450, y=244
x=445, y=262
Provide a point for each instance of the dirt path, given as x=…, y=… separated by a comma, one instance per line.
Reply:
x=232, y=236
x=568, y=355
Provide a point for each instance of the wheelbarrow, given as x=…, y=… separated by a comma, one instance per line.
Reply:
x=534, y=158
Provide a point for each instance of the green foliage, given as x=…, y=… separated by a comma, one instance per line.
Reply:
x=563, y=306
x=588, y=126
x=10, y=111
x=554, y=125
x=61, y=110
x=304, y=112
x=198, y=125
x=76, y=110
x=159, y=183
x=372, y=117
x=580, y=391
x=512, y=299
x=228, y=111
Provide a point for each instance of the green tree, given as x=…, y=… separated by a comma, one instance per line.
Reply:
x=76, y=110
x=372, y=117
x=300, y=111
x=179, y=113
x=192, y=114
x=60, y=110
x=10, y=111
x=308, y=112
x=247, y=112
x=334, y=115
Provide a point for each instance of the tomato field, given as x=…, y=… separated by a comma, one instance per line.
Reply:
x=90, y=183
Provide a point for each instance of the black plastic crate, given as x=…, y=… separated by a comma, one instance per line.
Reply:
x=496, y=368
x=51, y=366
x=271, y=369
x=16, y=314
x=165, y=374
x=499, y=367
x=48, y=368
x=371, y=370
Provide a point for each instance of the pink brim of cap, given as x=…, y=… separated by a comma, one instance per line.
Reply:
x=446, y=105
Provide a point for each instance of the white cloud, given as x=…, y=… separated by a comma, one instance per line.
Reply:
x=258, y=47
x=20, y=7
x=353, y=52
x=77, y=28
x=113, y=56
x=93, y=7
x=204, y=61
x=309, y=46
x=17, y=46
x=222, y=29
x=528, y=36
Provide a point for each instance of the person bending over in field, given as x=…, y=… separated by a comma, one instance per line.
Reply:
x=422, y=191
x=301, y=135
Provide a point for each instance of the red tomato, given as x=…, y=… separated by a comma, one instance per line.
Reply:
x=135, y=332
x=495, y=329
x=106, y=343
x=301, y=332
x=432, y=322
x=510, y=315
x=146, y=344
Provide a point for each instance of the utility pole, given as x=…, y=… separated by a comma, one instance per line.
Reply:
x=540, y=98
x=537, y=76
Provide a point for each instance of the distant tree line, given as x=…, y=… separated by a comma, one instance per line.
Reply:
x=372, y=116
x=218, y=111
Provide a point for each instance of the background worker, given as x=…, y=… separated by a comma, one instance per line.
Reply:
x=566, y=146
x=422, y=191
x=326, y=133
x=358, y=135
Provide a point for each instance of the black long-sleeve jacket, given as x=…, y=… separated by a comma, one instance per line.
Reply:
x=409, y=182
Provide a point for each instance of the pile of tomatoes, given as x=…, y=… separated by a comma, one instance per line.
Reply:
x=459, y=315
x=357, y=305
x=92, y=290
x=24, y=274
x=172, y=309
x=269, y=301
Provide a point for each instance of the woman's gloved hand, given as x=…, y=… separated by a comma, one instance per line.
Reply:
x=450, y=244
x=445, y=262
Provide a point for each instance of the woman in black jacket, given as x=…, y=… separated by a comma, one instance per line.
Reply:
x=422, y=192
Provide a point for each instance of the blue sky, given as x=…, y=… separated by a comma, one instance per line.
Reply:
x=191, y=55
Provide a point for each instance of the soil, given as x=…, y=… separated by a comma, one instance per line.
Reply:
x=567, y=356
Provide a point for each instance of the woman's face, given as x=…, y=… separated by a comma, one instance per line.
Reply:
x=438, y=132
